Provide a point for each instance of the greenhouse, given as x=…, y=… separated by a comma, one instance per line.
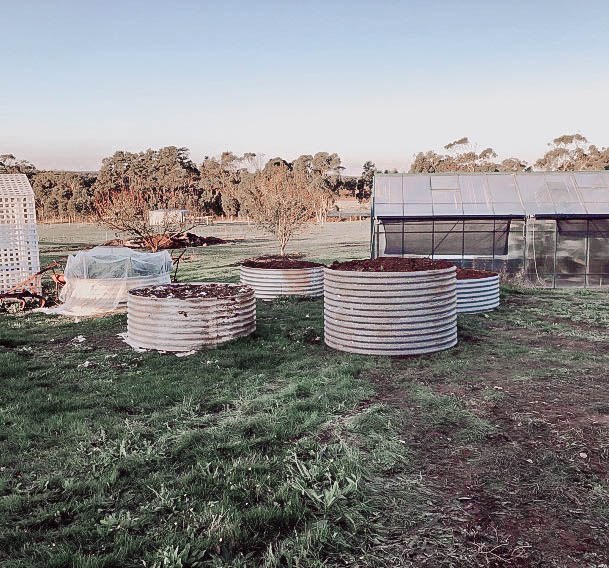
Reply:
x=550, y=227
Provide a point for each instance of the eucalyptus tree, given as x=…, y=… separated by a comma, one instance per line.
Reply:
x=573, y=152
x=461, y=155
x=9, y=164
x=63, y=195
x=221, y=178
x=365, y=181
x=318, y=177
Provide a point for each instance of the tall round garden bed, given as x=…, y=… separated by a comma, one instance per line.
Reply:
x=272, y=277
x=477, y=290
x=390, y=306
x=183, y=317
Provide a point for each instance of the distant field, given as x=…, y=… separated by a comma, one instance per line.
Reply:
x=276, y=451
x=320, y=242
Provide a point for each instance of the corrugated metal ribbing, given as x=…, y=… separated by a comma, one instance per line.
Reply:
x=477, y=294
x=390, y=313
x=173, y=324
x=270, y=283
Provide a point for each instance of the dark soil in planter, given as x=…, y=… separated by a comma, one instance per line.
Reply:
x=279, y=262
x=391, y=264
x=472, y=274
x=188, y=291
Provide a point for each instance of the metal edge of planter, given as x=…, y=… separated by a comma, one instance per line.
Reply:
x=476, y=295
x=390, y=313
x=174, y=324
x=271, y=283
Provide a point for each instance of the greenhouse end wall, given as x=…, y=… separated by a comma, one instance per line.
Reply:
x=547, y=252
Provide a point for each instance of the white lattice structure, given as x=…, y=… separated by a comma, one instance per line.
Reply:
x=19, y=258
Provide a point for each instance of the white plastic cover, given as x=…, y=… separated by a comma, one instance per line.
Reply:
x=97, y=280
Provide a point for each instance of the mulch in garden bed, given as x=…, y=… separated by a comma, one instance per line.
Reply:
x=279, y=262
x=473, y=274
x=391, y=264
x=190, y=291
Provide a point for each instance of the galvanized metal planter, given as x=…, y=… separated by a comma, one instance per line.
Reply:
x=178, y=325
x=477, y=294
x=271, y=283
x=390, y=313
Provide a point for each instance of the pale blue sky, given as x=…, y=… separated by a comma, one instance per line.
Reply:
x=369, y=80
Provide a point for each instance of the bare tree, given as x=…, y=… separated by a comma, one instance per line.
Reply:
x=276, y=202
x=128, y=212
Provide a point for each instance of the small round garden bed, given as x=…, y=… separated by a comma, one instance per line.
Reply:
x=275, y=276
x=477, y=290
x=390, y=306
x=189, y=316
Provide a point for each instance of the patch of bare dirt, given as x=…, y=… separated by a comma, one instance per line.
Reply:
x=525, y=495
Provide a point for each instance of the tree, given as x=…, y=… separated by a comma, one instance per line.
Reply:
x=130, y=185
x=63, y=195
x=365, y=181
x=463, y=156
x=128, y=212
x=572, y=152
x=274, y=199
x=513, y=165
x=221, y=180
x=9, y=164
x=318, y=176
x=166, y=178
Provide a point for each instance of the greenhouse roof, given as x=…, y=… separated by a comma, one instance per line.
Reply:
x=540, y=194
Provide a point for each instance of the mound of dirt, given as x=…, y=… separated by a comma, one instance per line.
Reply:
x=189, y=291
x=472, y=274
x=176, y=241
x=391, y=264
x=283, y=262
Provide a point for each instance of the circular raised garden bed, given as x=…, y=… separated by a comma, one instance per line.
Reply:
x=272, y=277
x=390, y=306
x=186, y=317
x=477, y=290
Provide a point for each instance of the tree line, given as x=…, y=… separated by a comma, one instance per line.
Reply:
x=233, y=185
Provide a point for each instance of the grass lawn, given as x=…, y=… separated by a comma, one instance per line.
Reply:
x=277, y=451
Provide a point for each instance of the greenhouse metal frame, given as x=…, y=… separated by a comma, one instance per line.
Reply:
x=550, y=227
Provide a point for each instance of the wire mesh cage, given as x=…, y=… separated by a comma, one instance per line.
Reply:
x=19, y=256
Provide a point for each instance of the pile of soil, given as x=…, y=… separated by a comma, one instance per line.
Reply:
x=175, y=241
x=391, y=264
x=189, y=291
x=284, y=262
x=472, y=274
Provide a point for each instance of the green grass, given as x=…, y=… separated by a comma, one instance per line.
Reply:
x=277, y=451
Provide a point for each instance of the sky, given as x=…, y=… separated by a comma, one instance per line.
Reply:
x=371, y=80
